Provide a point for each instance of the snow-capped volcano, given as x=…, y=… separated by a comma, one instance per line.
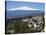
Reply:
x=23, y=8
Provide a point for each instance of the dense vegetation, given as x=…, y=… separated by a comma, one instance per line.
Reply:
x=22, y=27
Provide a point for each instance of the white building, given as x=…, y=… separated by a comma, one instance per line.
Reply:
x=25, y=20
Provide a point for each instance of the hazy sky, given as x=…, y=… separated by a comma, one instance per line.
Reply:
x=17, y=4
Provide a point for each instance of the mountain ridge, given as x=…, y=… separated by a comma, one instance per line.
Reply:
x=20, y=13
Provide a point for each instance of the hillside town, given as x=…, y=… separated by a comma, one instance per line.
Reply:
x=34, y=21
